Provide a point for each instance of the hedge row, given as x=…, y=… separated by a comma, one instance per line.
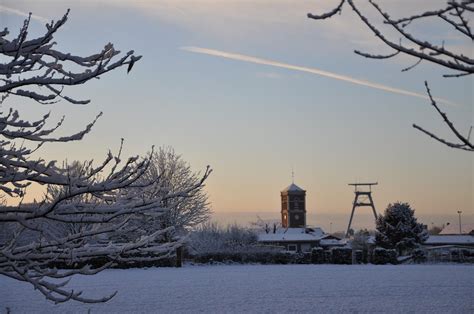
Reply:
x=250, y=258
x=316, y=256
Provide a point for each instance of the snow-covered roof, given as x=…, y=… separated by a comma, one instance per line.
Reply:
x=451, y=239
x=293, y=188
x=293, y=235
x=454, y=229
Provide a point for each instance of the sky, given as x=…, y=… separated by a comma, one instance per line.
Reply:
x=255, y=89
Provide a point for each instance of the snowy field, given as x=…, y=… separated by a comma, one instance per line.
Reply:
x=263, y=289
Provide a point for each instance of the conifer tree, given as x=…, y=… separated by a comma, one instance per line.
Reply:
x=399, y=229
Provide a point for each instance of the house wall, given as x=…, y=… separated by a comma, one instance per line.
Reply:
x=300, y=246
x=306, y=247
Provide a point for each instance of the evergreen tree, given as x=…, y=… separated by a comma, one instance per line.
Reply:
x=398, y=228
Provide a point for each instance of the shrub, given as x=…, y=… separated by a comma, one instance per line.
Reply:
x=383, y=256
x=328, y=256
x=358, y=256
x=419, y=256
x=341, y=255
x=317, y=255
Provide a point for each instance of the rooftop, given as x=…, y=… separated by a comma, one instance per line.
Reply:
x=293, y=188
x=454, y=229
x=451, y=239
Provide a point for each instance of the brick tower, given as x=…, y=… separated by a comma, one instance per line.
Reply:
x=293, y=207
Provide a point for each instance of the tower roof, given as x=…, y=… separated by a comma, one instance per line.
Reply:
x=293, y=188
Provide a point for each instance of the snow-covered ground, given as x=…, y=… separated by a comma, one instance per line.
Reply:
x=263, y=289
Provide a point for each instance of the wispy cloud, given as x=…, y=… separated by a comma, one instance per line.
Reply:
x=345, y=78
x=22, y=13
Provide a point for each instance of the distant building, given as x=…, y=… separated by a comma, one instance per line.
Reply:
x=295, y=235
x=450, y=248
x=454, y=229
x=300, y=239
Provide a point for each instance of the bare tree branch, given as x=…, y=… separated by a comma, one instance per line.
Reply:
x=454, y=14
x=41, y=65
x=465, y=143
x=423, y=50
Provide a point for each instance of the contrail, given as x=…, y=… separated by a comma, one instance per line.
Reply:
x=239, y=57
x=21, y=13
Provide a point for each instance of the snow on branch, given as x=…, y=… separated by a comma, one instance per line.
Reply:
x=465, y=143
x=454, y=14
x=92, y=215
x=34, y=63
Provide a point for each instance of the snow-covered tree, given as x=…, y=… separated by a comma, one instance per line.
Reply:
x=398, y=228
x=361, y=238
x=98, y=199
x=456, y=15
x=172, y=174
x=211, y=238
x=74, y=170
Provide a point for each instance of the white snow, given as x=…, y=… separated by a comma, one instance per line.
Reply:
x=450, y=239
x=293, y=234
x=263, y=289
